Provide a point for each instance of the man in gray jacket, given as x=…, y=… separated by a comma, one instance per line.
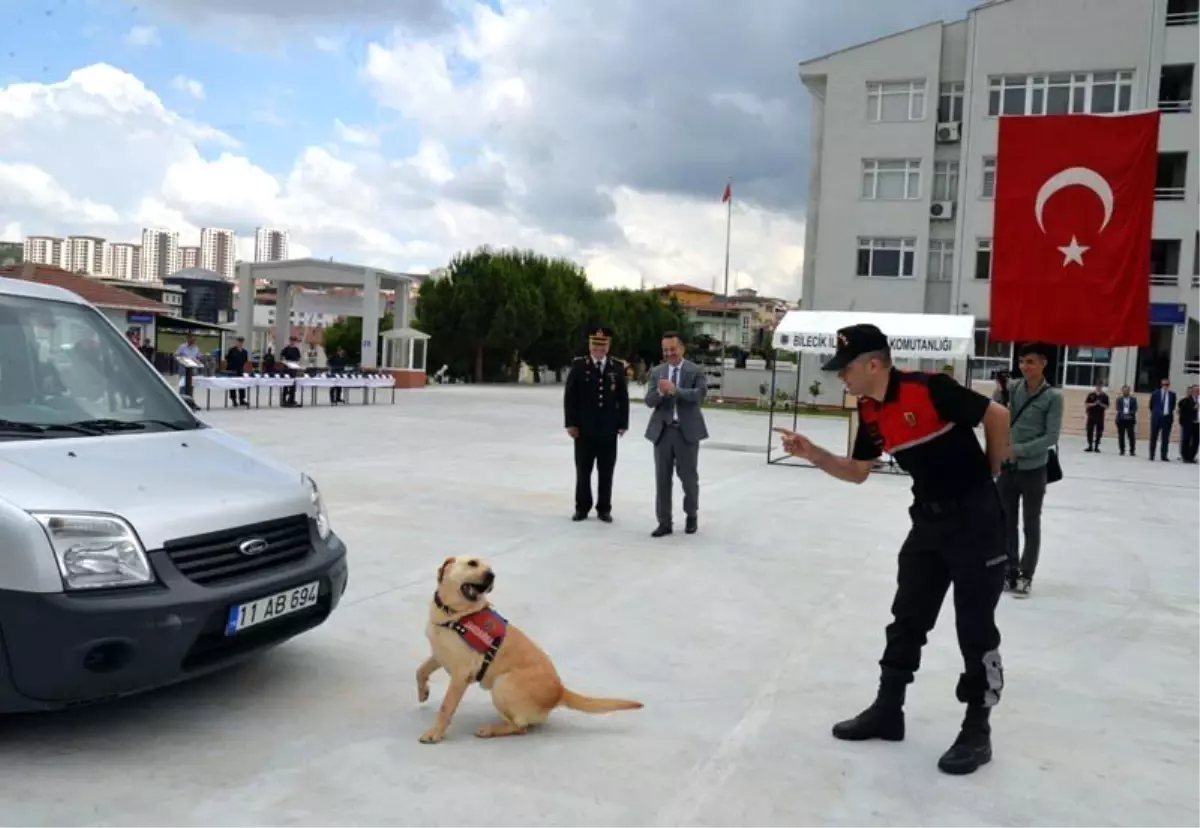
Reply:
x=1036, y=410
x=675, y=391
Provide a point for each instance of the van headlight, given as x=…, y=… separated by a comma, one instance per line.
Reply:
x=96, y=551
x=316, y=508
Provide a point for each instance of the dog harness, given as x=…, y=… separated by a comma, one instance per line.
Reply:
x=483, y=631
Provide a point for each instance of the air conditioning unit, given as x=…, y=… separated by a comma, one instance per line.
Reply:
x=941, y=210
x=949, y=132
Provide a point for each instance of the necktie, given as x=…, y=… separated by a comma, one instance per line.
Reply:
x=675, y=400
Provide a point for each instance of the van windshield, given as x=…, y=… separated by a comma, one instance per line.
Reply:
x=66, y=372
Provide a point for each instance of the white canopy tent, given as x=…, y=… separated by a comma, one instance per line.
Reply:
x=913, y=336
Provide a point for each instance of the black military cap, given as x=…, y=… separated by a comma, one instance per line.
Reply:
x=599, y=334
x=852, y=342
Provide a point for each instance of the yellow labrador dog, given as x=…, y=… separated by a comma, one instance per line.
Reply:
x=474, y=643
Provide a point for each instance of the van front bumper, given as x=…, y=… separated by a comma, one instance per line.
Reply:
x=65, y=649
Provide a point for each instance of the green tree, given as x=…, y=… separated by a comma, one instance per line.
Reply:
x=347, y=333
x=567, y=299
x=487, y=309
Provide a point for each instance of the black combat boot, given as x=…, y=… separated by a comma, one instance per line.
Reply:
x=973, y=747
x=884, y=719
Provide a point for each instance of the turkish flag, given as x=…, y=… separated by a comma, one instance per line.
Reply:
x=1071, y=243
x=728, y=194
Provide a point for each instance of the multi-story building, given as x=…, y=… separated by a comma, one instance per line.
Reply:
x=218, y=251
x=189, y=257
x=47, y=250
x=86, y=254
x=270, y=245
x=160, y=254
x=903, y=164
x=125, y=261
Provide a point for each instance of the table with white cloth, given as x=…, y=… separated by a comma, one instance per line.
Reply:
x=369, y=383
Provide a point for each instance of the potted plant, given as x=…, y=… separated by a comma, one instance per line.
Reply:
x=814, y=391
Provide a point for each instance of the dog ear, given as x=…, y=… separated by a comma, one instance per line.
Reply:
x=442, y=568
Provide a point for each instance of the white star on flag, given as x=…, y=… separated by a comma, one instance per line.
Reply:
x=1073, y=252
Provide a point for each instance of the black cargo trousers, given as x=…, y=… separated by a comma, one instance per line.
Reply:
x=962, y=543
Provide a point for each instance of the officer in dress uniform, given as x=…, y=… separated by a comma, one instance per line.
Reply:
x=596, y=414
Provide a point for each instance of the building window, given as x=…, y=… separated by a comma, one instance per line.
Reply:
x=990, y=356
x=1094, y=92
x=1183, y=12
x=1175, y=87
x=945, y=181
x=896, y=101
x=1170, y=180
x=887, y=257
x=1164, y=261
x=987, y=187
x=1084, y=367
x=941, y=260
x=894, y=180
x=950, y=102
x=983, y=259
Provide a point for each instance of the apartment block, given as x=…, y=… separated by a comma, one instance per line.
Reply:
x=189, y=257
x=903, y=165
x=218, y=251
x=270, y=245
x=86, y=254
x=125, y=261
x=47, y=250
x=160, y=254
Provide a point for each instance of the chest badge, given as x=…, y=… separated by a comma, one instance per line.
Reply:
x=910, y=418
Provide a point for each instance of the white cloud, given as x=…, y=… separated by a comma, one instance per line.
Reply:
x=347, y=201
x=356, y=135
x=329, y=45
x=189, y=86
x=142, y=36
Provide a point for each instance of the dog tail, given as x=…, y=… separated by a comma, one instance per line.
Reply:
x=587, y=704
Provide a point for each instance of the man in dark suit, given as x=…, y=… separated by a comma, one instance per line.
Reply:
x=596, y=416
x=1189, y=425
x=1096, y=407
x=676, y=389
x=290, y=353
x=1127, y=408
x=1162, y=417
x=235, y=364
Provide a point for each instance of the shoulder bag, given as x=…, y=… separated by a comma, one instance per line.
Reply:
x=1054, y=471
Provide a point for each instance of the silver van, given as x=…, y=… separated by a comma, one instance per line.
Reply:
x=138, y=545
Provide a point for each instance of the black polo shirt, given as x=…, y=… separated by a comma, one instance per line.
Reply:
x=927, y=423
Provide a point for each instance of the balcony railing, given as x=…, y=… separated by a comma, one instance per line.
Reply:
x=1186, y=18
x=1175, y=106
x=1160, y=280
x=1196, y=281
x=1191, y=366
x=1169, y=193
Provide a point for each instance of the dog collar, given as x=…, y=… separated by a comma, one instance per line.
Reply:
x=442, y=605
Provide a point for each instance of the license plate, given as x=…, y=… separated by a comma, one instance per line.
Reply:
x=242, y=616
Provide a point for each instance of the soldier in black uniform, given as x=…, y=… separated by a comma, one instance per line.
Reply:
x=926, y=422
x=596, y=414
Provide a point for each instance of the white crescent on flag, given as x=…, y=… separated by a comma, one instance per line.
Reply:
x=1075, y=176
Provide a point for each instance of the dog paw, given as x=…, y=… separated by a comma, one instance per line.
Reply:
x=422, y=694
x=486, y=732
x=431, y=737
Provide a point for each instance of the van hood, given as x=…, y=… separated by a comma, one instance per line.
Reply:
x=168, y=485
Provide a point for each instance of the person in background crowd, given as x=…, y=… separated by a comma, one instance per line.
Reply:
x=291, y=353
x=1096, y=406
x=1162, y=417
x=187, y=348
x=1189, y=425
x=147, y=349
x=1001, y=393
x=1127, y=406
x=268, y=360
x=237, y=363
x=596, y=416
x=336, y=365
x=1036, y=410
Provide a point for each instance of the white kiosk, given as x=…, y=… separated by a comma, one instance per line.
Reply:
x=913, y=336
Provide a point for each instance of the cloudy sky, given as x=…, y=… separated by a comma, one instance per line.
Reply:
x=396, y=132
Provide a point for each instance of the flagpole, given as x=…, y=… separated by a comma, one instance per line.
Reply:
x=725, y=310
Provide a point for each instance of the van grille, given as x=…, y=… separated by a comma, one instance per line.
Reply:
x=216, y=557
